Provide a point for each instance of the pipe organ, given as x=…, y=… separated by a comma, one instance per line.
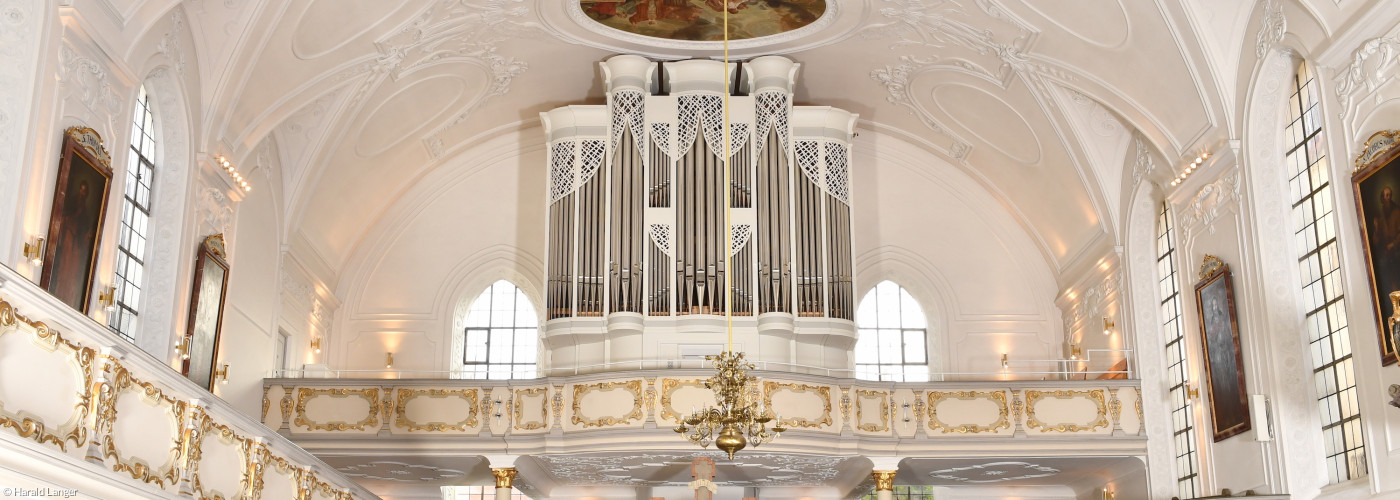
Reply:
x=638, y=192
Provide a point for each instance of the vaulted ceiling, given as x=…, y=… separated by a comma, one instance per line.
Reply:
x=1055, y=108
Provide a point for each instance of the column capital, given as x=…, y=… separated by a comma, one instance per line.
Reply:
x=884, y=479
x=505, y=476
x=885, y=463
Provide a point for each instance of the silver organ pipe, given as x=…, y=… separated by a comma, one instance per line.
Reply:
x=636, y=215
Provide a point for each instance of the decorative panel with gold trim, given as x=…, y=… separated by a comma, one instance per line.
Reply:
x=62, y=369
x=1075, y=411
x=433, y=410
x=681, y=391
x=968, y=412
x=879, y=404
x=592, y=402
x=138, y=426
x=799, y=405
x=528, y=403
x=369, y=415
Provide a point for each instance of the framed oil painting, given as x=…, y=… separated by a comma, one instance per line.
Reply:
x=75, y=223
x=1376, y=186
x=206, y=311
x=1220, y=337
x=703, y=20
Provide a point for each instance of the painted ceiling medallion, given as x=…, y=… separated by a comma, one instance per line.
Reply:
x=703, y=20
x=994, y=472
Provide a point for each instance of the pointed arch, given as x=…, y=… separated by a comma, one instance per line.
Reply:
x=893, y=340
x=500, y=336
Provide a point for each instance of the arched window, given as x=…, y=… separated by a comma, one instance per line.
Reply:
x=136, y=215
x=1310, y=184
x=892, y=338
x=1188, y=479
x=501, y=339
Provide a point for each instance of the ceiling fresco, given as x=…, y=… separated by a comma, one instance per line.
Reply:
x=703, y=20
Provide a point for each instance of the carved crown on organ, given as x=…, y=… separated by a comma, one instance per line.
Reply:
x=637, y=193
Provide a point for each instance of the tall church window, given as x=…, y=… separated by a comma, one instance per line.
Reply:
x=893, y=334
x=1188, y=479
x=1334, y=377
x=501, y=337
x=136, y=215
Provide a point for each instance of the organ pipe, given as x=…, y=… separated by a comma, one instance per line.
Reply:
x=636, y=215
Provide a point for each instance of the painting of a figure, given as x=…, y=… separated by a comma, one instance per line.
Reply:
x=206, y=311
x=1220, y=337
x=75, y=226
x=1377, y=189
x=703, y=20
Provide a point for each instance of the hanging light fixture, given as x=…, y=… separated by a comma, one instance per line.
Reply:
x=735, y=422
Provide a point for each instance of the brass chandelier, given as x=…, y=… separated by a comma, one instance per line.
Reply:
x=736, y=421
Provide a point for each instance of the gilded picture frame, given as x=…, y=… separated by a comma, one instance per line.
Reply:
x=206, y=315
x=1376, y=190
x=1220, y=339
x=75, y=225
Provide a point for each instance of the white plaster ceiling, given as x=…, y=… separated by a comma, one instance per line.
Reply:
x=750, y=468
x=365, y=100
x=1083, y=475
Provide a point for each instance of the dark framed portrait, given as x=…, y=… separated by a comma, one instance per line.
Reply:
x=1376, y=186
x=206, y=311
x=75, y=223
x=1220, y=338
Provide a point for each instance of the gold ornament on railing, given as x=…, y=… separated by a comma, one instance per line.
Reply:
x=737, y=421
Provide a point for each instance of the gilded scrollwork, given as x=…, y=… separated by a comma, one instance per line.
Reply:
x=996, y=397
x=286, y=404
x=124, y=382
x=305, y=394
x=863, y=395
x=823, y=392
x=266, y=404
x=405, y=395
x=1094, y=395
x=74, y=431
x=205, y=427
x=668, y=390
x=633, y=387
x=536, y=392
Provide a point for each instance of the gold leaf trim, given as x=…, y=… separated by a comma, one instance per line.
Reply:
x=305, y=394
x=668, y=390
x=543, y=394
x=1209, y=265
x=204, y=428
x=1095, y=395
x=1376, y=145
x=405, y=395
x=169, y=474
x=633, y=386
x=996, y=397
x=884, y=398
x=823, y=391
x=91, y=141
x=74, y=431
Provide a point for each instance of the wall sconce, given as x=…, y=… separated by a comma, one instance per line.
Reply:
x=34, y=252
x=1075, y=352
x=316, y=344
x=222, y=373
x=183, y=347
x=1107, y=494
x=388, y=360
x=1004, y=363
x=1191, y=392
x=1107, y=326
x=107, y=297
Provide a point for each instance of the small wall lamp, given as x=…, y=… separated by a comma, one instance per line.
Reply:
x=222, y=373
x=183, y=346
x=107, y=298
x=1004, y=363
x=1075, y=352
x=316, y=344
x=34, y=252
x=1191, y=392
x=1107, y=326
x=388, y=360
